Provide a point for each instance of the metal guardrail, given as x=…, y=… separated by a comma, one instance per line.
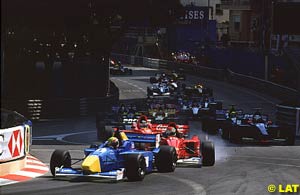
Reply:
x=281, y=92
x=286, y=115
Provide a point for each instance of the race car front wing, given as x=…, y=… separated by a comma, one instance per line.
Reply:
x=114, y=175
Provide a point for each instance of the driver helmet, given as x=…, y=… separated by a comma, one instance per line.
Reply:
x=257, y=116
x=113, y=142
x=143, y=124
x=133, y=125
x=171, y=131
x=232, y=114
x=122, y=107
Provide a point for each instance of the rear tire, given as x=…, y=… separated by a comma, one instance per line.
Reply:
x=135, y=166
x=208, y=153
x=166, y=159
x=59, y=158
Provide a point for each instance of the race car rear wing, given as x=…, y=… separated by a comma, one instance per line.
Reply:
x=144, y=138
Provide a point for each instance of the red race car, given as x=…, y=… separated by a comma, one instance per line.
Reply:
x=189, y=151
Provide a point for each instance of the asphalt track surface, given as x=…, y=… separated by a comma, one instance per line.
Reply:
x=239, y=169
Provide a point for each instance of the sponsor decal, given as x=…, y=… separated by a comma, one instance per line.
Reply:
x=15, y=143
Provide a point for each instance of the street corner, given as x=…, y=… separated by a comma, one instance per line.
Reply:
x=33, y=168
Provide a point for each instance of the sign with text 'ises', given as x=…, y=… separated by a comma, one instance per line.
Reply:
x=195, y=15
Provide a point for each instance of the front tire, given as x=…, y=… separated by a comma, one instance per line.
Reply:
x=166, y=159
x=208, y=153
x=135, y=165
x=59, y=158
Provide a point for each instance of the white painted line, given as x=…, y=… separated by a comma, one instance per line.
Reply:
x=70, y=142
x=43, y=139
x=59, y=136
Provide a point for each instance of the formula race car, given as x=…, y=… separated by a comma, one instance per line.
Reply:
x=159, y=89
x=199, y=107
x=116, y=68
x=197, y=90
x=115, y=160
x=239, y=127
x=189, y=151
x=159, y=77
x=173, y=76
x=123, y=115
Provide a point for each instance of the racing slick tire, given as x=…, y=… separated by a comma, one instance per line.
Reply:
x=149, y=92
x=166, y=159
x=135, y=167
x=104, y=132
x=208, y=153
x=59, y=158
x=108, y=132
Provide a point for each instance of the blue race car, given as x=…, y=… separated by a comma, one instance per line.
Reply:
x=115, y=163
x=159, y=89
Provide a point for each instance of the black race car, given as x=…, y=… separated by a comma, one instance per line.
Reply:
x=199, y=107
x=173, y=76
x=116, y=68
x=239, y=127
x=198, y=90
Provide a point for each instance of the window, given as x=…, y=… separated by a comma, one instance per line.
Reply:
x=219, y=11
x=236, y=22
